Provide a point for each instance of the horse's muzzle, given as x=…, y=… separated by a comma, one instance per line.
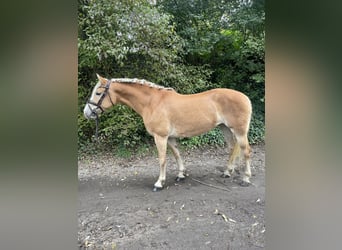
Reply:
x=90, y=112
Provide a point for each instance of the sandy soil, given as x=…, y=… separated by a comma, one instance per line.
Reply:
x=118, y=210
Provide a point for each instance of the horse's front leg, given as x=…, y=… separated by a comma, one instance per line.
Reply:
x=173, y=145
x=161, y=143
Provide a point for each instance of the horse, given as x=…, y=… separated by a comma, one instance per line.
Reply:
x=168, y=115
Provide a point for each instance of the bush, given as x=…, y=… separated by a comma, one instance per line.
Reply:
x=257, y=129
x=213, y=137
x=182, y=45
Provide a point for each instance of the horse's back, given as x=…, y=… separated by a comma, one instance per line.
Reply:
x=189, y=115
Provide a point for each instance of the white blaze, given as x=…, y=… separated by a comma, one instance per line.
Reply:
x=88, y=107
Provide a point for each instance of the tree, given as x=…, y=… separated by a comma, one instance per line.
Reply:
x=229, y=37
x=132, y=39
x=190, y=45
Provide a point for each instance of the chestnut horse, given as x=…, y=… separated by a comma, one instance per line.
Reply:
x=168, y=115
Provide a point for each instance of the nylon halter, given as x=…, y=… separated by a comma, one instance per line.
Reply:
x=99, y=103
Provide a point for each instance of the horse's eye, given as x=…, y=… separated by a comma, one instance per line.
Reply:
x=97, y=93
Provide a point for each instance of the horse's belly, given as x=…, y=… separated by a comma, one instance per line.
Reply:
x=188, y=129
x=194, y=120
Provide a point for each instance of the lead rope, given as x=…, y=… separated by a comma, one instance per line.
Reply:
x=98, y=105
x=97, y=129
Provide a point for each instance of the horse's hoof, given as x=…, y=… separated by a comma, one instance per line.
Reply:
x=244, y=184
x=225, y=176
x=178, y=179
x=156, y=189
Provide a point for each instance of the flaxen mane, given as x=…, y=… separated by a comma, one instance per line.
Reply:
x=141, y=82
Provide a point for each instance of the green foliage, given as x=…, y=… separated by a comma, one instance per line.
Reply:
x=228, y=37
x=213, y=137
x=257, y=128
x=114, y=31
x=123, y=127
x=191, y=46
x=122, y=152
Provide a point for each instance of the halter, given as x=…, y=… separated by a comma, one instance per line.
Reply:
x=99, y=103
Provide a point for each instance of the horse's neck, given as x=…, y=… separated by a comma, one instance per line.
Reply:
x=135, y=96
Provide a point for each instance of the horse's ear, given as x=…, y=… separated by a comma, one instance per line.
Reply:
x=101, y=79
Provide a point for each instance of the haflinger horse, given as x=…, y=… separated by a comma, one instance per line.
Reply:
x=168, y=115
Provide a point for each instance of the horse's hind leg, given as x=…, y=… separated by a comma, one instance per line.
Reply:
x=233, y=148
x=242, y=141
x=173, y=145
x=234, y=154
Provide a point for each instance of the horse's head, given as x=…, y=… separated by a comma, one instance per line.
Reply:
x=100, y=99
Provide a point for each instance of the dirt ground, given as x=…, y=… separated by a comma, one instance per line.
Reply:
x=118, y=210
